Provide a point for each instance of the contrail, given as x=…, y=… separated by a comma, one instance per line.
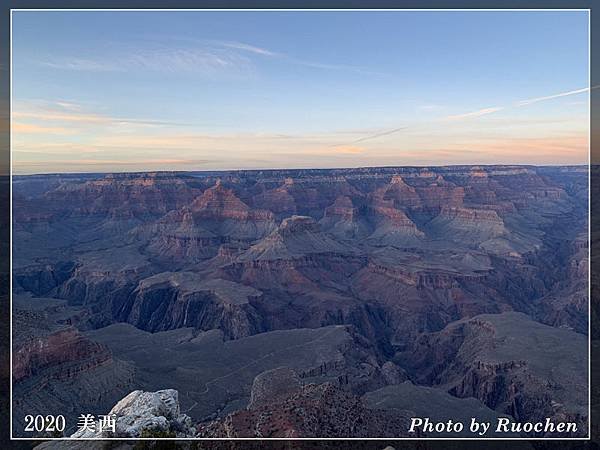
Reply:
x=550, y=97
x=477, y=113
x=372, y=136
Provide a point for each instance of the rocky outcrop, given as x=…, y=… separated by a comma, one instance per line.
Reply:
x=437, y=405
x=215, y=375
x=422, y=279
x=50, y=354
x=441, y=194
x=41, y=279
x=56, y=367
x=123, y=195
x=468, y=224
x=223, y=213
x=508, y=362
x=104, y=282
x=566, y=305
x=144, y=414
x=345, y=221
x=296, y=237
x=277, y=200
x=417, y=297
x=220, y=203
x=402, y=194
x=304, y=195
x=273, y=386
x=176, y=237
x=184, y=299
x=395, y=229
x=296, y=410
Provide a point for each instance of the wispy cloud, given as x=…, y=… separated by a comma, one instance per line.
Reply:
x=28, y=128
x=551, y=97
x=70, y=112
x=88, y=118
x=336, y=67
x=471, y=114
x=46, y=148
x=181, y=55
x=349, y=149
x=561, y=148
x=81, y=64
x=290, y=59
x=107, y=165
x=518, y=104
x=60, y=117
x=248, y=48
x=373, y=136
x=68, y=106
x=454, y=139
x=279, y=55
x=204, y=60
x=478, y=113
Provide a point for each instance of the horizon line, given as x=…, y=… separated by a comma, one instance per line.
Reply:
x=276, y=169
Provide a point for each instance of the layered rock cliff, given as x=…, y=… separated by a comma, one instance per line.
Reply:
x=168, y=262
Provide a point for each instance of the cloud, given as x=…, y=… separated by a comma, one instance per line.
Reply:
x=349, y=149
x=564, y=149
x=28, y=128
x=550, y=97
x=82, y=64
x=229, y=142
x=69, y=106
x=246, y=151
x=200, y=60
x=136, y=149
x=279, y=55
x=206, y=57
x=478, y=113
x=205, y=60
x=61, y=117
x=336, y=67
x=290, y=59
x=54, y=148
x=473, y=114
x=70, y=112
x=248, y=48
x=377, y=135
x=66, y=165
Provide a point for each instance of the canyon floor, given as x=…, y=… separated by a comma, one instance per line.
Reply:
x=360, y=297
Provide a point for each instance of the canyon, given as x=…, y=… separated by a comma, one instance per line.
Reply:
x=349, y=294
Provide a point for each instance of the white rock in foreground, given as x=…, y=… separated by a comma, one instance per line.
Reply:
x=145, y=411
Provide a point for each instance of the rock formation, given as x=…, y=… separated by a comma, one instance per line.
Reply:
x=368, y=277
x=141, y=414
x=282, y=406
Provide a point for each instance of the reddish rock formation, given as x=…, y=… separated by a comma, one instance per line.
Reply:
x=51, y=353
x=282, y=407
x=123, y=196
x=344, y=220
x=397, y=253
x=509, y=363
x=223, y=213
x=278, y=200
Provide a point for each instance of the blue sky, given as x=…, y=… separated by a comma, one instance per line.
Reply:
x=121, y=91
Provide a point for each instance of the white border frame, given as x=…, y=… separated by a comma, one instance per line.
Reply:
x=208, y=10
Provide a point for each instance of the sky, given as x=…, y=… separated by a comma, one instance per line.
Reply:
x=206, y=90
